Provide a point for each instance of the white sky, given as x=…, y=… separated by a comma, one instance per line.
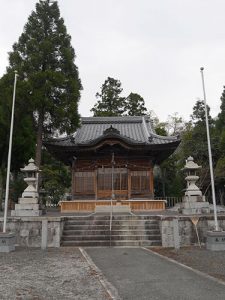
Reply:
x=155, y=48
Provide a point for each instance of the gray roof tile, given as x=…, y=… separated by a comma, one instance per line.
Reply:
x=133, y=129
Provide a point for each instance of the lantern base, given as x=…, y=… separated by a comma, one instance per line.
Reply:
x=194, y=204
x=26, y=213
x=27, y=207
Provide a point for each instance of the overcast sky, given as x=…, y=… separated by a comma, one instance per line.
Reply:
x=155, y=48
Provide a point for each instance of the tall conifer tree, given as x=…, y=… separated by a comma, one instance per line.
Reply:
x=221, y=116
x=44, y=59
x=135, y=105
x=110, y=102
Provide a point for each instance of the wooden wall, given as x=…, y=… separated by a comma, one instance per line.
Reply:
x=89, y=206
x=88, y=176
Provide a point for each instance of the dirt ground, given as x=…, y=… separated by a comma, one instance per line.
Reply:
x=209, y=262
x=50, y=274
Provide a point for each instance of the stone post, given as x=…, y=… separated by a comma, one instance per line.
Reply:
x=44, y=234
x=176, y=236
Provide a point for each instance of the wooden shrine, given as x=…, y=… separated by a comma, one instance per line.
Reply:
x=112, y=160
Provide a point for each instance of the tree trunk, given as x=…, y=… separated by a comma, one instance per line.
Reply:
x=1, y=188
x=39, y=140
x=221, y=195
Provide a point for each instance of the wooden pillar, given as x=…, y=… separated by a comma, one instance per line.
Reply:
x=151, y=181
x=73, y=179
x=129, y=183
x=96, y=183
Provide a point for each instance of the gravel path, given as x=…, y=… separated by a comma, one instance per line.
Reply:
x=209, y=262
x=53, y=274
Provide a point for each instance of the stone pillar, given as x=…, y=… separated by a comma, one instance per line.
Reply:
x=176, y=236
x=28, y=205
x=44, y=234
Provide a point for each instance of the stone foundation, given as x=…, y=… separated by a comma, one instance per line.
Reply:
x=28, y=230
x=187, y=233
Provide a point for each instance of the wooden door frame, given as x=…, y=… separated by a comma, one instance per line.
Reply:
x=106, y=193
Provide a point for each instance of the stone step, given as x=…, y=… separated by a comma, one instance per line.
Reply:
x=113, y=237
x=122, y=243
x=114, y=221
x=135, y=222
x=114, y=217
x=85, y=243
x=113, y=232
x=85, y=232
x=86, y=227
x=88, y=222
x=85, y=237
x=76, y=219
x=127, y=230
x=114, y=227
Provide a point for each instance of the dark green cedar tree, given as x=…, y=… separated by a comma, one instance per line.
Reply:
x=44, y=59
x=198, y=115
x=23, y=146
x=220, y=123
x=220, y=166
x=135, y=105
x=110, y=102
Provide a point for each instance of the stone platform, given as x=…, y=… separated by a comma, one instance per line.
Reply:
x=192, y=206
x=113, y=208
x=27, y=207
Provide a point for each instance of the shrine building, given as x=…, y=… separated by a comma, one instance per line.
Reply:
x=112, y=160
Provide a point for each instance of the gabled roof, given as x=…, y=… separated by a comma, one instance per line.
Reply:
x=135, y=134
x=133, y=130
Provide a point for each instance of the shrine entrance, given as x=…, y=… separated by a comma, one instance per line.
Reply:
x=112, y=183
x=112, y=158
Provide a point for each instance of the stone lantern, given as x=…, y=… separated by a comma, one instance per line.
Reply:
x=31, y=173
x=193, y=201
x=28, y=204
x=191, y=170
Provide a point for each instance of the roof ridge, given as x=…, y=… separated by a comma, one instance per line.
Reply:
x=146, y=133
x=117, y=119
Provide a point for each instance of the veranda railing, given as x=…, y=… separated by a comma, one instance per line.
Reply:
x=170, y=201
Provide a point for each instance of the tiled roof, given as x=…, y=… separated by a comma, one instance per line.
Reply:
x=133, y=130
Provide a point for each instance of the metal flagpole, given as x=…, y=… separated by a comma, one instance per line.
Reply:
x=113, y=162
x=210, y=154
x=9, y=155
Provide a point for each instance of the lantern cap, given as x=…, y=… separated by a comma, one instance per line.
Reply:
x=31, y=167
x=191, y=165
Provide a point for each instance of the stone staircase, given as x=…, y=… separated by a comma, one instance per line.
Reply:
x=127, y=230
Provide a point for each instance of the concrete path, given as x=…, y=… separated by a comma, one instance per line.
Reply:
x=139, y=274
